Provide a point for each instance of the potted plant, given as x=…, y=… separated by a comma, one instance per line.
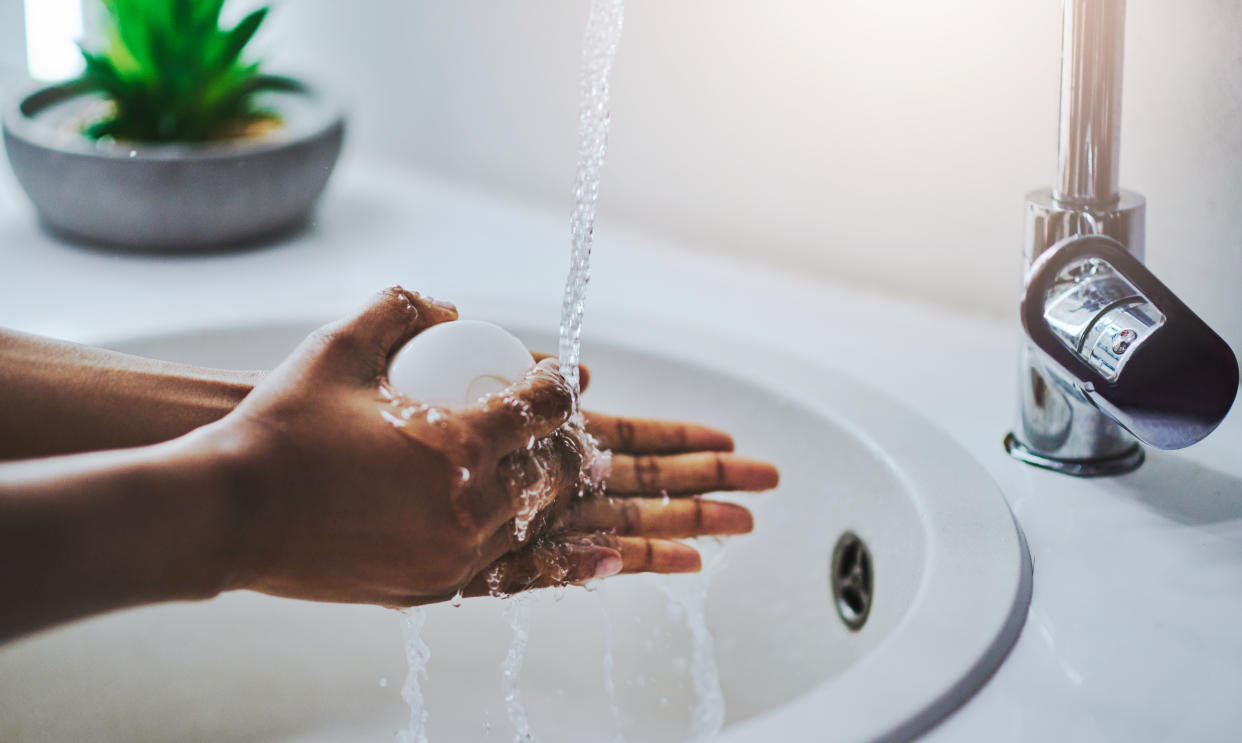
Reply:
x=170, y=139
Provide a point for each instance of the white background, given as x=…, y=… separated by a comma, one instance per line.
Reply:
x=883, y=143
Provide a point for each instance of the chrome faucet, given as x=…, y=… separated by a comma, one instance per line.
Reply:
x=1112, y=357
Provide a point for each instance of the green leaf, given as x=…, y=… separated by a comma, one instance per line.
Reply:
x=240, y=36
x=171, y=71
x=207, y=13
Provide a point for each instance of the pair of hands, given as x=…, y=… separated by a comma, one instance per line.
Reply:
x=333, y=500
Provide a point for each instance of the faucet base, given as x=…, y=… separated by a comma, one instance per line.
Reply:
x=1127, y=461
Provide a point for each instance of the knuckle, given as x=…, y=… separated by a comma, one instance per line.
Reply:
x=396, y=293
x=549, y=391
x=402, y=304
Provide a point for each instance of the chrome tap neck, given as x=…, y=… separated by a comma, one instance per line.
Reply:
x=1089, y=135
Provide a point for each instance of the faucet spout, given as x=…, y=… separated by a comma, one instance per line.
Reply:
x=1089, y=135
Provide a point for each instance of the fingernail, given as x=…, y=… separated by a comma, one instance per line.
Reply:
x=607, y=566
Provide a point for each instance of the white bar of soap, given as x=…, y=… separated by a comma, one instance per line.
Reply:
x=453, y=364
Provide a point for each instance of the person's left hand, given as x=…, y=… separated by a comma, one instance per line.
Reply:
x=652, y=496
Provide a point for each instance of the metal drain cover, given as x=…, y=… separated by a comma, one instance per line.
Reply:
x=852, y=580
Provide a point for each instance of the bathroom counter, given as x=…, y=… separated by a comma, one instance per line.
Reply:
x=1133, y=627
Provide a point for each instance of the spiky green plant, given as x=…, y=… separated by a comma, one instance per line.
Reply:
x=172, y=73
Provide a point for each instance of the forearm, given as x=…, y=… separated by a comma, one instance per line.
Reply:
x=61, y=398
x=89, y=533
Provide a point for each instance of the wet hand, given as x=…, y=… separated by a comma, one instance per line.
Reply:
x=652, y=496
x=342, y=490
x=351, y=492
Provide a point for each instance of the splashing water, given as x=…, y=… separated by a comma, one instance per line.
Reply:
x=603, y=31
x=417, y=653
x=689, y=594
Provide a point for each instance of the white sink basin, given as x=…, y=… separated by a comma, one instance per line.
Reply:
x=951, y=573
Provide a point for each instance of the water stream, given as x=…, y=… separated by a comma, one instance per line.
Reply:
x=517, y=614
x=599, y=47
x=417, y=653
x=688, y=593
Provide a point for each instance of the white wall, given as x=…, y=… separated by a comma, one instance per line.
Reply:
x=12, y=38
x=878, y=142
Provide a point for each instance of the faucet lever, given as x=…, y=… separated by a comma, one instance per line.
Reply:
x=1125, y=340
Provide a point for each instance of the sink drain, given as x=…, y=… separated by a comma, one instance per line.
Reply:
x=852, y=579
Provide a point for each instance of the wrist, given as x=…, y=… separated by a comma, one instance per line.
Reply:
x=89, y=533
x=196, y=476
x=219, y=462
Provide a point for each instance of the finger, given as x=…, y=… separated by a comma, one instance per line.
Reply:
x=525, y=412
x=545, y=565
x=643, y=555
x=647, y=436
x=359, y=346
x=584, y=374
x=649, y=517
x=688, y=474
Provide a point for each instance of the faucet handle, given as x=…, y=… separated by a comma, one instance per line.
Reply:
x=1127, y=342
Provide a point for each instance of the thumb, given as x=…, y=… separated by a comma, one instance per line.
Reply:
x=360, y=346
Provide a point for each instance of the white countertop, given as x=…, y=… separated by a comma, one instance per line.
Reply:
x=1135, y=627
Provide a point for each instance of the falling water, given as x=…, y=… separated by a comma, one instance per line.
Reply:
x=416, y=654
x=599, y=46
x=517, y=613
x=603, y=31
x=689, y=594
x=610, y=680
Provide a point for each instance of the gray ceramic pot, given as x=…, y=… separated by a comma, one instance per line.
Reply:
x=172, y=196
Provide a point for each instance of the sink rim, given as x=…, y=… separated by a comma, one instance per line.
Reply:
x=977, y=516
x=958, y=650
